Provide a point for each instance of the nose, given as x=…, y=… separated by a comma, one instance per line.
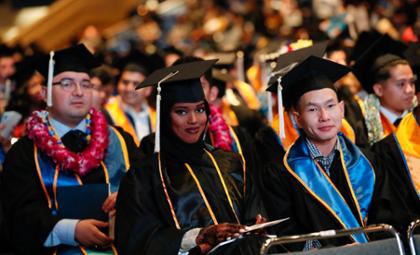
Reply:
x=409, y=88
x=77, y=90
x=323, y=115
x=193, y=118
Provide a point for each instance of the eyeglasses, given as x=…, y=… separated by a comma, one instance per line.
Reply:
x=70, y=84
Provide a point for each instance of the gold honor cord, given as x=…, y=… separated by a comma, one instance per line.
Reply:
x=235, y=137
x=203, y=195
x=168, y=199
x=223, y=184
x=210, y=210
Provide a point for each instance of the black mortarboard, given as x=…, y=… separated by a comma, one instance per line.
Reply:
x=312, y=74
x=412, y=54
x=225, y=59
x=299, y=55
x=178, y=83
x=364, y=41
x=295, y=57
x=285, y=63
x=77, y=59
x=382, y=52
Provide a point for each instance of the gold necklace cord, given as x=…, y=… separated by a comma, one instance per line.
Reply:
x=168, y=199
x=223, y=184
x=203, y=195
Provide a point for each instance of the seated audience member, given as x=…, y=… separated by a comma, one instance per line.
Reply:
x=187, y=196
x=398, y=202
x=103, y=82
x=129, y=109
x=325, y=182
x=70, y=145
x=388, y=77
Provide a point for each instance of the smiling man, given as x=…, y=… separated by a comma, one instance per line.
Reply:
x=129, y=109
x=325, y=181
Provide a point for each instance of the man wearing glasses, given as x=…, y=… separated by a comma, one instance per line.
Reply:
x=49, y=174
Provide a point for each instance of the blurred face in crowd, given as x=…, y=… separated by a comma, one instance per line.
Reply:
x=338, y=56
x=101, y=92
x=127, y=89
x=210, y=92
x=319, y=114
x=397, y=92
x=34, y=88
x=7, y=67
x=188, y=120
x=71, y=97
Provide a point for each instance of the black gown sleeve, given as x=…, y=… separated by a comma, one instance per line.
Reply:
x=140, y=226
x=396, y=202
x=29, y=220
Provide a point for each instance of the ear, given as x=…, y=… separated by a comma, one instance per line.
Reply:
x=214, y=91
x=148, y=91
x=341, y=107
x=378, y=89
x=296, y=115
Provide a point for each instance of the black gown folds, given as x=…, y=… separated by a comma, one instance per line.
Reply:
x=398, y=202
x=145, y=223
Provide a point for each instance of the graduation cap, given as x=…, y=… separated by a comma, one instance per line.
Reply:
x=180, y=83
x=226, y=59
x=313, y=73
x=381, y=53
x=285, y=63
x=76, y=59
x=364, y=41
x=299, y=55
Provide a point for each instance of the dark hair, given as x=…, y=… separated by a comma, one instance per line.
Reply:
x=133, y=67
x=383, y=72
x=103, y=73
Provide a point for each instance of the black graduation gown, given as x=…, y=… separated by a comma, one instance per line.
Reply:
x=268, y=146
x=29, y=220
x=144, y=223
x=284, y=197
x=397, y=203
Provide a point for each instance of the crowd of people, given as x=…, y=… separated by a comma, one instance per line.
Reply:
x=284, y=110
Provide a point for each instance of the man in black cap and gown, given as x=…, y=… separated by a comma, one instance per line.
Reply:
x=325, y=181
x=68, y=152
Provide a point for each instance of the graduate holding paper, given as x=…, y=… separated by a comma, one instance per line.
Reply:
x=325, y=182
x=187, y=196
x=50, y=205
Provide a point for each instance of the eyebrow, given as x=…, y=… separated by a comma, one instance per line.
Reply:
x=331, y=100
